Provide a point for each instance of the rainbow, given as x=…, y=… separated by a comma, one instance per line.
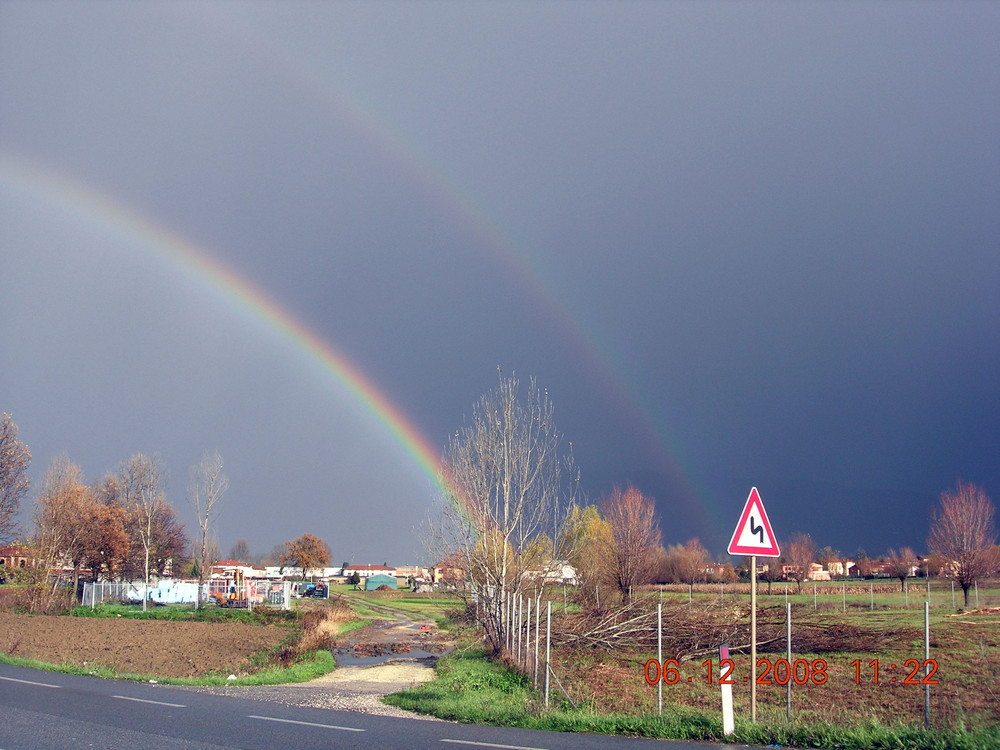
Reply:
x=94, y=208
x=661, y=443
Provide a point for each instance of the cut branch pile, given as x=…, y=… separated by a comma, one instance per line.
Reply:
x=687, y=629
x=692, y=631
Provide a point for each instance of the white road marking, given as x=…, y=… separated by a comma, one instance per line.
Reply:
x=308, y=723
x=29, y=682
x=143, y=700
x=493, y=744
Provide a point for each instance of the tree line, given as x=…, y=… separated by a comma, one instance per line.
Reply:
x=512, y=507
x=121, y=527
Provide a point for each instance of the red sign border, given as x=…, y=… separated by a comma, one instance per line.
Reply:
x=754, y=499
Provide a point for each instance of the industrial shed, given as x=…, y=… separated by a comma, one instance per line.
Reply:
x=379, y=579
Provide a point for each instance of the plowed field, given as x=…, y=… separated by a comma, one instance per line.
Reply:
x=142, y=647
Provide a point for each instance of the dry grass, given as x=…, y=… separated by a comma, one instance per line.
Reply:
x=966, y=649
x=320, y=627
x=35, y=599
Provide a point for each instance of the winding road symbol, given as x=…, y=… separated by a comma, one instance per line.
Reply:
x=753, y=535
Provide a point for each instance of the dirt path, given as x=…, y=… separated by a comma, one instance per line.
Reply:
x=399, y=634
x=404, y=650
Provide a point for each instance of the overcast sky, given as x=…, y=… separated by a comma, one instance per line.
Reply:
x=738, y=243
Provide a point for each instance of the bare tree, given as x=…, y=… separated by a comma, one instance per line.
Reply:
x=502, y=477
x=208, y=485
x=865, y=566
x=800, y=555
x=631, y=558
x=14, y=460
x=140, y=479
x=770, y=571
x=962, y=531
x=900, y=565
x=240, y=551
x=685, y=563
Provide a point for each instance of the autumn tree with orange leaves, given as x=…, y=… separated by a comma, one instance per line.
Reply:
x=307, y=553
x=62, y=511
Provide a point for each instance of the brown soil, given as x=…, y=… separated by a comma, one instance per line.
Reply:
x=400, y=636
x=143, y=647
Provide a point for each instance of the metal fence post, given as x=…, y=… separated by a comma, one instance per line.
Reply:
x=548, y=635
x=506, y=620
x=527, y=632
x=927, y=665
x=520, y=613
x=788, y=656
x=659, y=655
x=538, y=618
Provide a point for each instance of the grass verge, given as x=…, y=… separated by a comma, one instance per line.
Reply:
x=187, y=613
x=309, y=667
x=471, y=688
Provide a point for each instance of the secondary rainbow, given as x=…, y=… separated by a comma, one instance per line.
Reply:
x=662, y=444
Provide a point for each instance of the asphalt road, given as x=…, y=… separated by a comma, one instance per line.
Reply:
x=48, y=711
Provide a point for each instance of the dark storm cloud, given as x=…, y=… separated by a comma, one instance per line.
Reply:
x=776, y=224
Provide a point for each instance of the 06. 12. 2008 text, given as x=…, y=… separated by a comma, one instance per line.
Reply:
x=780, y=672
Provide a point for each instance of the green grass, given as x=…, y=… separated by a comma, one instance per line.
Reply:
x=309, y=667
x=187, y=613
x=376, y=605
x=470, y=688
x=862, y=595
x=351, y=626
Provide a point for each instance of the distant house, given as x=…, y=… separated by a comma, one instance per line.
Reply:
x=15, y=556
x=364, y=571
x=556, y=572
x=290, y=571
x=816, y=573
x=227, y=569
x=418, y=572
x=447, y=572
x=840, y=568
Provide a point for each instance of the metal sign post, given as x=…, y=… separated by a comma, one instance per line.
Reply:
x=753, y=638
x=753, y=536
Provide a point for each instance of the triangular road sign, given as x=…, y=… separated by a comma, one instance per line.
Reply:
x=753, y=535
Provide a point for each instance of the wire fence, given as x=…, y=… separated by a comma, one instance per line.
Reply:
x=537, y=623
x=225, y=592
